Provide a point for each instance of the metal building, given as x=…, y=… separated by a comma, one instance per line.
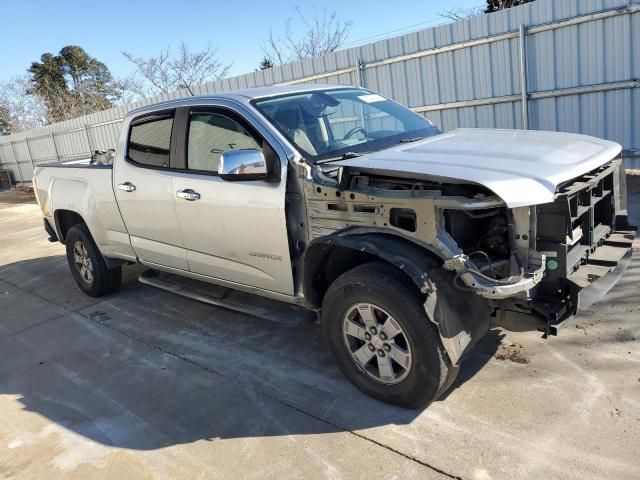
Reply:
x=565, y=65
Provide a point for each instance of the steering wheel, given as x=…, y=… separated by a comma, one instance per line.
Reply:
x=353, y=131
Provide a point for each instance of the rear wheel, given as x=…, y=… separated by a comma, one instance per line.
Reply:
x=382, y=340
x=87, y=265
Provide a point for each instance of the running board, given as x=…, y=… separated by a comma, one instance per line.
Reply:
x=230, y=299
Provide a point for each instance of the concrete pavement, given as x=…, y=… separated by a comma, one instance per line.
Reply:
x=144, y=384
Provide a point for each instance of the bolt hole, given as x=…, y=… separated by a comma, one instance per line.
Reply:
x=319, y=190
x=352, y=196
x=338, y=193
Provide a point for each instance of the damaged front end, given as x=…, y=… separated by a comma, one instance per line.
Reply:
x=463, y=227
x=546, y=261
x=487, y=254
x=522, y=262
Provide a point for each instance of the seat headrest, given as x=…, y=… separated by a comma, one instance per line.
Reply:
x=288, y=117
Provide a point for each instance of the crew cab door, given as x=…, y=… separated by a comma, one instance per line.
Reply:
x=144, y=190
x=232, y=230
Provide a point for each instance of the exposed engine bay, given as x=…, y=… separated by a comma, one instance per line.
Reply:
x=465, y=225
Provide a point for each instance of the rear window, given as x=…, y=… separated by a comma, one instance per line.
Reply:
x=150, y=141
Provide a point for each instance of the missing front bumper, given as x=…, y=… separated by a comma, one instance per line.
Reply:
x=495, y=290
x=602, y=269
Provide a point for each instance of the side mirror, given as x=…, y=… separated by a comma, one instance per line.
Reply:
x=245, y=164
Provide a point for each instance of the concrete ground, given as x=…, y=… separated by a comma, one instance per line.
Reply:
x=144, y=384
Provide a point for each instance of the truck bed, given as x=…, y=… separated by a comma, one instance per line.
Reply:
x=86, y=190
x=82, y=163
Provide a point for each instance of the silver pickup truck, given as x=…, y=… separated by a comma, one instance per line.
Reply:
x=407, y=241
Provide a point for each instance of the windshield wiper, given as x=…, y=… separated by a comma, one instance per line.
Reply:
x=344, y=156
x=410, y=140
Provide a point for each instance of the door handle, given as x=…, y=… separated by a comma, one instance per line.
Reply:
x=127, y=187
x=188, y=194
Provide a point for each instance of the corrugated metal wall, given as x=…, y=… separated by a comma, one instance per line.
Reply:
x=582, y=71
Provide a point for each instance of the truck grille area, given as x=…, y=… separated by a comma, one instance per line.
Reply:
x=584, y=234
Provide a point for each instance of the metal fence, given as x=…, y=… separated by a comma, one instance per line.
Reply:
x=562, y=65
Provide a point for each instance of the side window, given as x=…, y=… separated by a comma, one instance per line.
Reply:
x=212, y=134
x=150, y=141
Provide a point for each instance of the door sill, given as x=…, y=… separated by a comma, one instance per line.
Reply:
x=229, y=298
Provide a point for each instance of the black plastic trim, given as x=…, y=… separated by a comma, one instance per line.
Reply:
x=53, y=236
x=93, y=166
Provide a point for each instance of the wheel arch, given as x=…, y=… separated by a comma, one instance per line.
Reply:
x=462, y=317
x=65, y=219
x=326, y=258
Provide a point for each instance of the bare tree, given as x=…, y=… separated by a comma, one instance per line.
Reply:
x=167, y=72
x=131, y=89
x=21, y=110
x=322, y=34
x=456, y=14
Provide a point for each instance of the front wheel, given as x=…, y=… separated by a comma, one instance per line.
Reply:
x=87, y=265
x=381, y=338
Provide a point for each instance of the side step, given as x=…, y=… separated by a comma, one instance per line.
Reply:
x=236, y=300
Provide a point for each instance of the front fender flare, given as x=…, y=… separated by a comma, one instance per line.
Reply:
x=405, y=255
x=462, y=317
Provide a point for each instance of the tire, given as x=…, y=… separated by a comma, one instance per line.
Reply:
x=380, y=290
x=95, y=279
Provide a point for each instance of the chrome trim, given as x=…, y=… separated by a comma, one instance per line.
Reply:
x=127, y=187
x=244, y=162
x=188, y=194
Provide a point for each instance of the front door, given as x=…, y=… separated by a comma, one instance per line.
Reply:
x=144, y=192
x=232, y=230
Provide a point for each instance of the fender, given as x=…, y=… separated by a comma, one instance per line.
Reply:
x=461, y=316
x=60, y=233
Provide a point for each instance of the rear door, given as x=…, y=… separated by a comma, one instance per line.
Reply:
x=144, y=191
x=232, y=230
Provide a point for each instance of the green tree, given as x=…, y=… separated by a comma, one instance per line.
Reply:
x=48, y=76
x=265, y=64
x=72, y=83
x=495, y=5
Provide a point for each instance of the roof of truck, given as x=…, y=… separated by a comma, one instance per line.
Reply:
x=260, y=92
x=245, y=94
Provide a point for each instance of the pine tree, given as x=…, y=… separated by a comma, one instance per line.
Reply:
x=265, y=64
x=72, y=83
x=495, y=5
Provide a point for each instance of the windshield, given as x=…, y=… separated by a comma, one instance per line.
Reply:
x=328, y=124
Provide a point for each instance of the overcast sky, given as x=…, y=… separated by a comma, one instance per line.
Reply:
x=105, y=28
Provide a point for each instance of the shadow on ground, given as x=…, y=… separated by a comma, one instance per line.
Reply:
x=144, y=369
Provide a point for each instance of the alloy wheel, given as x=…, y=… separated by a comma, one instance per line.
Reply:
x=370, y=333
